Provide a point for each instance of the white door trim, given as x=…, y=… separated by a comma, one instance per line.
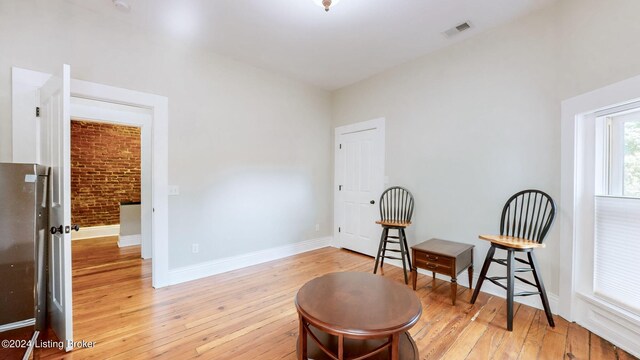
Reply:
x=576, y=222
x=102, y=112
x=379, y=124
x=159, y=106
x=24, y=99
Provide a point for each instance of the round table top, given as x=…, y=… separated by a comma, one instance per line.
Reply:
x=358, y=304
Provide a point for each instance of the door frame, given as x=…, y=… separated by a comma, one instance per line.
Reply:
x=109, y=113
x=159, y=107
x=25, y=98
x=377, y=124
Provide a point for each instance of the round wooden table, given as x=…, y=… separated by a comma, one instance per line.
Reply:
x=356, y=315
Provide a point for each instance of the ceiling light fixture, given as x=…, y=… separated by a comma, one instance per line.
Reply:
x=326, y=4
x=122, y=5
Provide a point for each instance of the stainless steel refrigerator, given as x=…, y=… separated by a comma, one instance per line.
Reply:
x=23, y=252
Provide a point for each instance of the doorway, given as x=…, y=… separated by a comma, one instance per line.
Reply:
x=105, y=193
x=359, y=182
x=41, y=116
x=121, y=124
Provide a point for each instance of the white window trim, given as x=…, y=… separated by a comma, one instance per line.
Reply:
x=576, y=223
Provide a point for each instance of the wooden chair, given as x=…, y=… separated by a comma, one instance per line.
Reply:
x=396, y=209
x=526, y=219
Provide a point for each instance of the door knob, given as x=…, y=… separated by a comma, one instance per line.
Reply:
x=75, y=227
x=372, y=202
x=55, y=230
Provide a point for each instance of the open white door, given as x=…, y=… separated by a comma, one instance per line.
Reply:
x=360, y=181
x=55, y=138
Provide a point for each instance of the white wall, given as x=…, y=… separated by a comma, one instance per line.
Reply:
x=471, y=124
x=249, y=150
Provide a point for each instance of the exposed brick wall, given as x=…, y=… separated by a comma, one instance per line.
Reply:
x=105, y=170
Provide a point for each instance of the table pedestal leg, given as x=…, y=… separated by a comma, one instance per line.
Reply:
x=302, y=338
x=395, y=352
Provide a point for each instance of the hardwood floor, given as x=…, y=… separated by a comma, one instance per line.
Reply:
x=250, y=314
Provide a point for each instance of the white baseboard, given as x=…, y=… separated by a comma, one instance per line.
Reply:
x=129, y=240
x=219, y=266
x=95, y=232
x=493, y=289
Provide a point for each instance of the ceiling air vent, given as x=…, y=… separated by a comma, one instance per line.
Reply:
x=457, y=29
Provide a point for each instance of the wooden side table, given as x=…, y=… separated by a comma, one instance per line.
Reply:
x=443, y=257
x=351, y=315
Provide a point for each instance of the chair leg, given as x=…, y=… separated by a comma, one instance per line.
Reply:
x=406, y=247
x=510, y=285
x=383, y=239
x=384, y=248
x=483, y=273
x=540, y=285
x=403, y=254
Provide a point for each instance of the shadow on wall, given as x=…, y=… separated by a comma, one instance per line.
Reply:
x=244, y=211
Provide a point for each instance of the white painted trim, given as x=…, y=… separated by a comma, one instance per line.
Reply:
x=574, y=307
x=574, y=110
x=129, y=240
x=219, y=266
x=159, y=106
x=378, y=124
x=29, y=81
x=95, y=232
x=611, y=324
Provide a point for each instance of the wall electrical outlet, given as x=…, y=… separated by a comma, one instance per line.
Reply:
x=174, y=190
x=195, y=248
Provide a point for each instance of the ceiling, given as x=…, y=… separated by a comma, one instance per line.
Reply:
x=296, y=38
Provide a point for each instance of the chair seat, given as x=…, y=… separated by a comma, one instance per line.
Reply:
x=393, y=223
x=511, y=242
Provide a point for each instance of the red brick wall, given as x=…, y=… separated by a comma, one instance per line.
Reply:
x=105, y=170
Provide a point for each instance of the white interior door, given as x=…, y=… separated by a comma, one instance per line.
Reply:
x=359, y=182
x=55, y=123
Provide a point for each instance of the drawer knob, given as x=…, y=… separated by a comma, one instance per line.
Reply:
x=432, y=258
x=432, y=266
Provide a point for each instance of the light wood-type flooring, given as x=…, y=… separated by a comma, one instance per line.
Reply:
x=250, y=313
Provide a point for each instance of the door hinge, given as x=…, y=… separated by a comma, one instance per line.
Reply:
x=339, y=187
x=339, y=229
x=37, y=111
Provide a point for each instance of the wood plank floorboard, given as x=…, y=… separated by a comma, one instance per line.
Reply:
x=249, y=313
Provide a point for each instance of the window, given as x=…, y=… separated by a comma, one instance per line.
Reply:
x=617, y=208
x=622, y=145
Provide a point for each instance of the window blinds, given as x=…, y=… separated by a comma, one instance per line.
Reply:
x=617, y=251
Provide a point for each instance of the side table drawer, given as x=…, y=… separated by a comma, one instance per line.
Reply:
x=428, y=265
x=426, y=257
